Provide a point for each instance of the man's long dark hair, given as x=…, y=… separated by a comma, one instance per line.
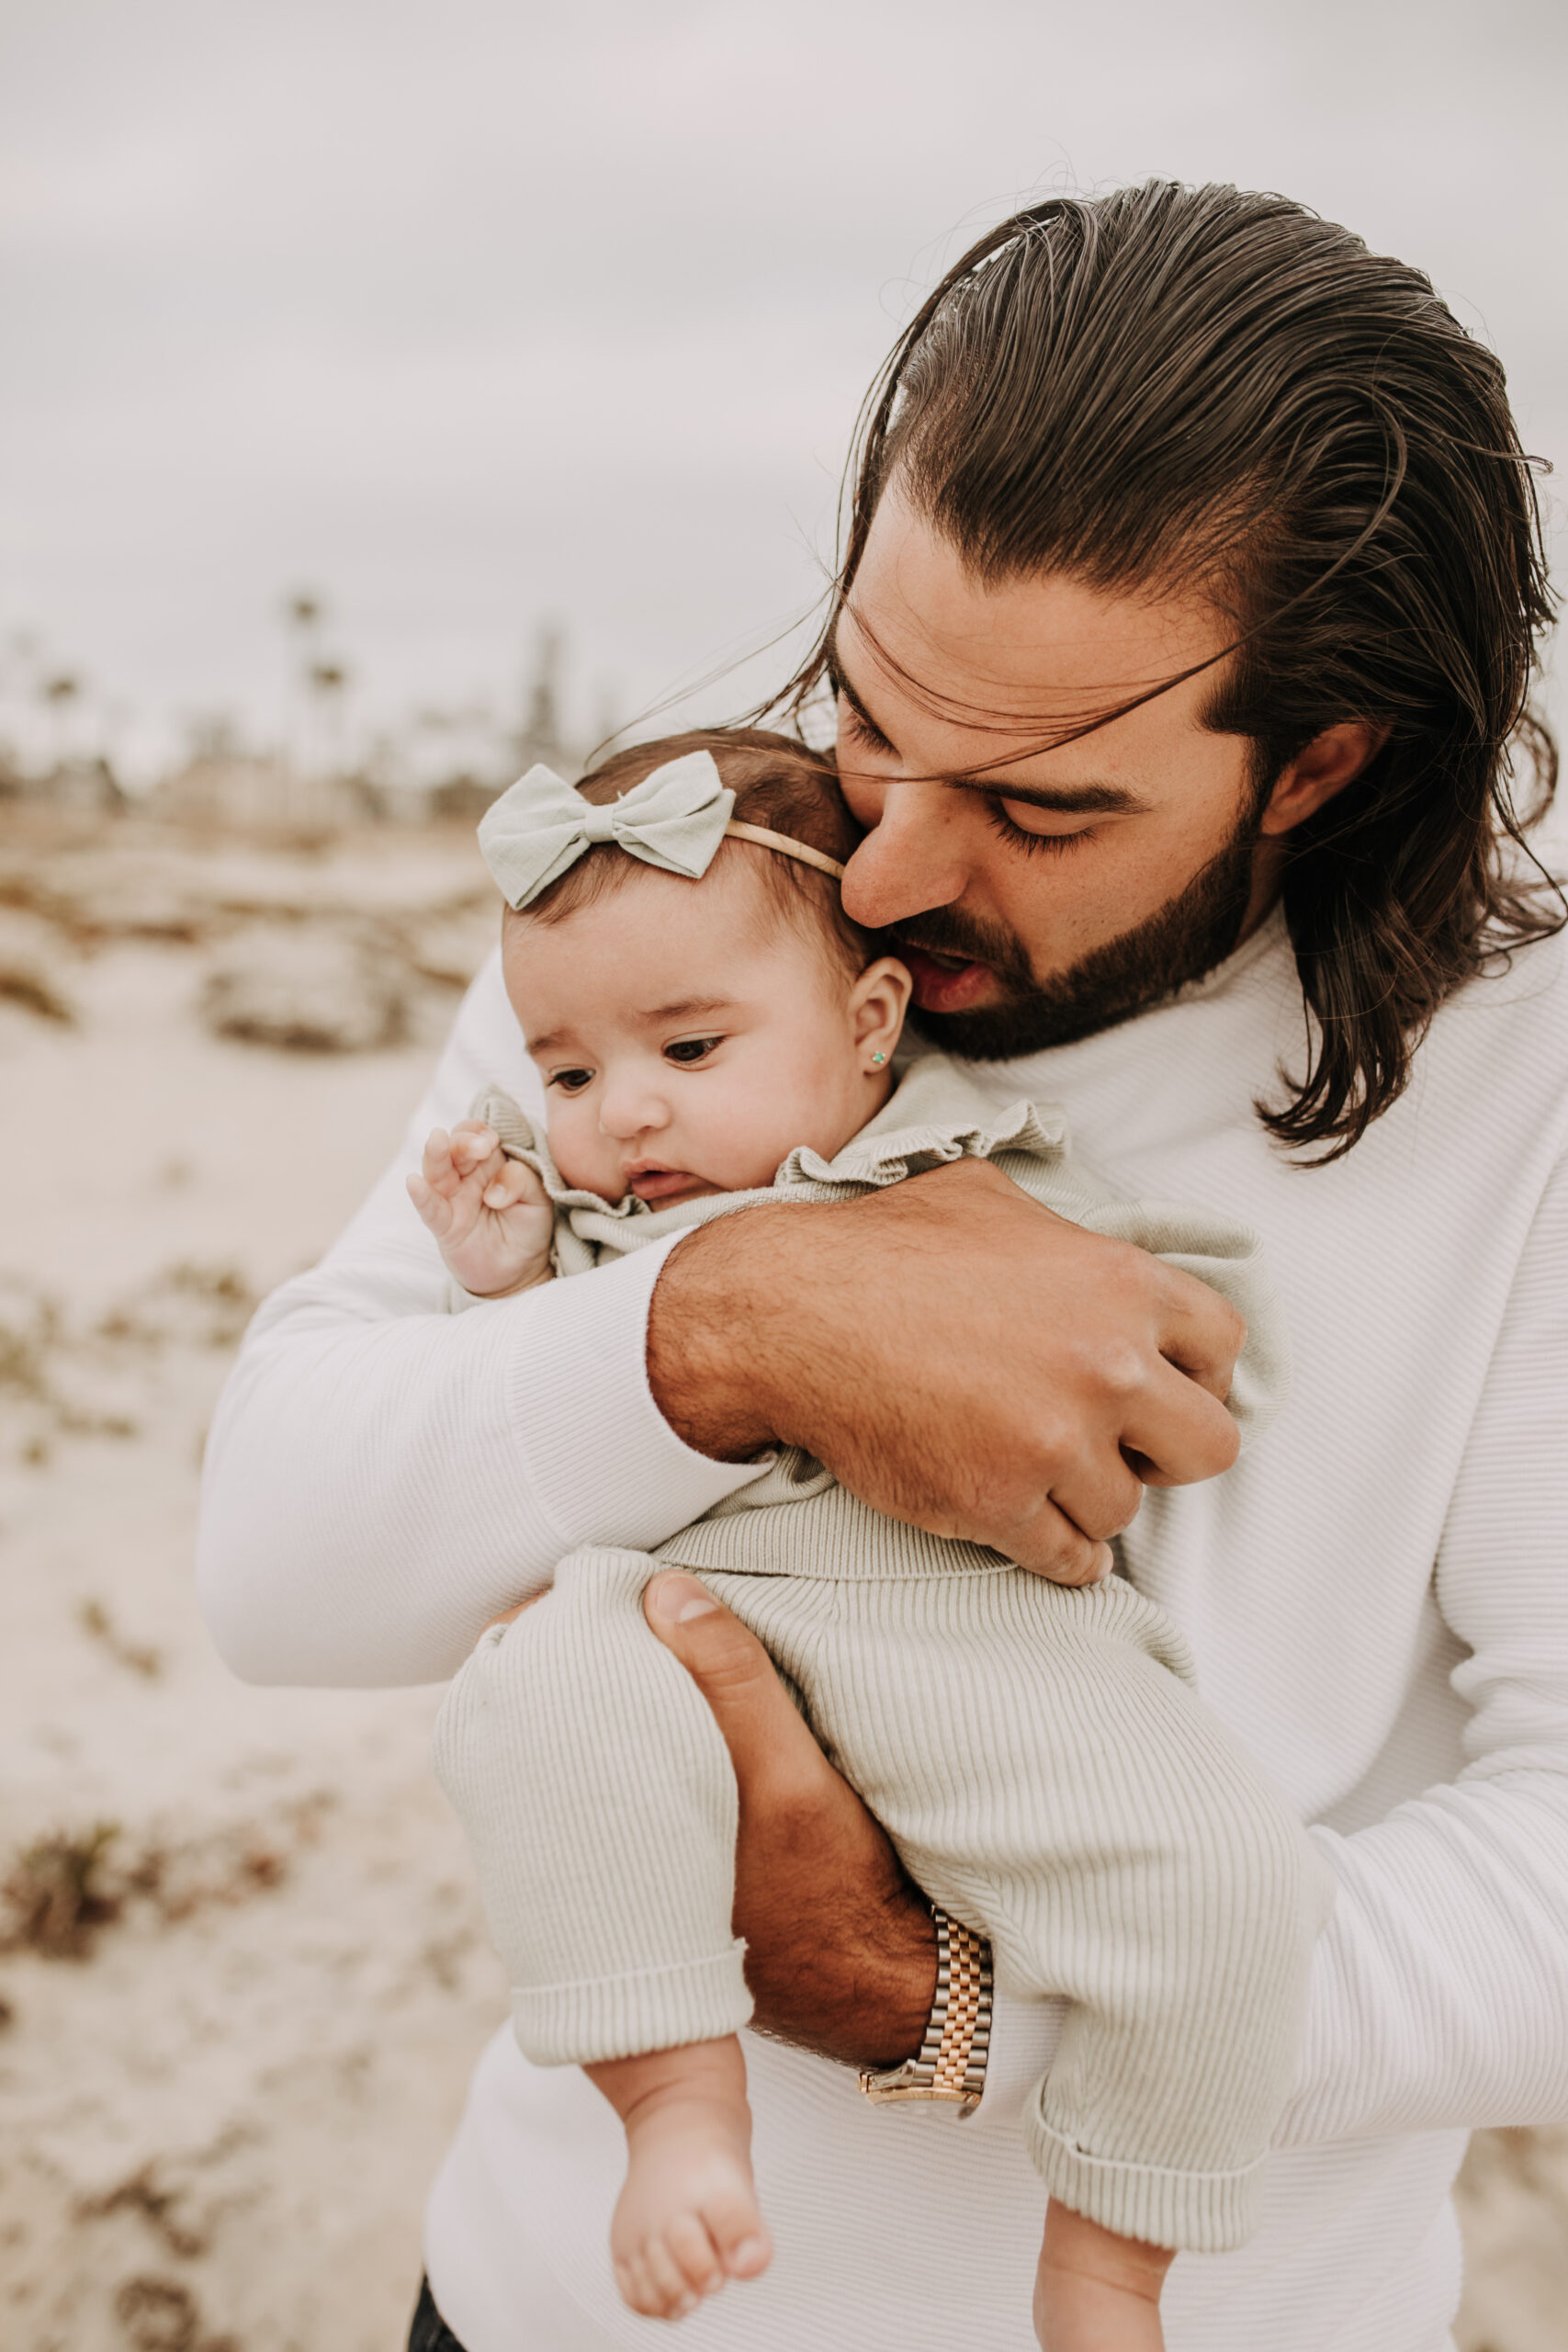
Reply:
x=1172, y=387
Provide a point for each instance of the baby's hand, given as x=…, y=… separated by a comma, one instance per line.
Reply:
x=489, y=1213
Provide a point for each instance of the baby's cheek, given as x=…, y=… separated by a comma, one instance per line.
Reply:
x=581, y=1159
x=760, y=1137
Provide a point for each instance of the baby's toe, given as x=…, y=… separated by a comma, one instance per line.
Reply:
x=635, y=2288
x=739, y=2233
x=653, y=2287
x=675, y=2298
x=695, y=2255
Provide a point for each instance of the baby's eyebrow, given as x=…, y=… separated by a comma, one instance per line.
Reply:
x=687, y=1008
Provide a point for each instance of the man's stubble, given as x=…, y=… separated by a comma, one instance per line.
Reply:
x=1179, y=943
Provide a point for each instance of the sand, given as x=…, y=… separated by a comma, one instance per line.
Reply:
x=234, y=2034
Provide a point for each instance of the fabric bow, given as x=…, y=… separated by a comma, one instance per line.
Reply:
x=540, y=826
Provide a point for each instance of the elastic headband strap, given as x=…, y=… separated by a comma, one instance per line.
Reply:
x=786, y=848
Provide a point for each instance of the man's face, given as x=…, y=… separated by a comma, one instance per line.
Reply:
x=1062, y=889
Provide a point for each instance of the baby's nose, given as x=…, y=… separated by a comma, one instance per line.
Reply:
x=632, y=1112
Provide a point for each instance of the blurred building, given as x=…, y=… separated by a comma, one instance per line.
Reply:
x=78, y=788
x=448, y=766
x=233, y=790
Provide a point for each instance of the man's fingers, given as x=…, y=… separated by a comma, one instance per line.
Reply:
x=1097, y=1498
x=1053, y=1547
x=1180, y=1432
x=1201, y=1334
x=732, y=1670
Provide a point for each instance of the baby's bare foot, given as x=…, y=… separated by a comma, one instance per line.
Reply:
x=688, y=2217
x=1095, y=2291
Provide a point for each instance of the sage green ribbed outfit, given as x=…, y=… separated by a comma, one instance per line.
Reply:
x=1037, y=1754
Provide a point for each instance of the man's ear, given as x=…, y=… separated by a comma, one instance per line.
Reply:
x=1329, y=763
x=878, y=1001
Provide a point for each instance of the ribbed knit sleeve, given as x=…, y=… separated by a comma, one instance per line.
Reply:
x=383, y=1477
x=1442, y=1981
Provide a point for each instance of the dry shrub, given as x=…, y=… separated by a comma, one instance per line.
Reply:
x=203, y=1305
x=145, y=2195
x=32, y=993
x=29, y=1328
x=63, y=1890
x=161, y=2315
x=99, y=1626
x=60, y=1892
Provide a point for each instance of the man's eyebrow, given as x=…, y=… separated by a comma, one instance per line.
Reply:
x=1062, y=799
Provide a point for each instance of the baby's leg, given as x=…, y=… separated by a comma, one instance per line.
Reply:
x=598, y=1797
x=1095, y=2291
x=1050, y=1779
x=687, y=2218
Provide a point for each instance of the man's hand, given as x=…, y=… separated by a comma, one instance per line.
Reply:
x=956, y=1355
x=840, y=1951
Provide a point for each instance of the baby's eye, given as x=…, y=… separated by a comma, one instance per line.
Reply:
x=687, y=1050
x=570, y=1082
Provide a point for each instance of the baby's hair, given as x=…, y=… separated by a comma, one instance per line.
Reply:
x=779, y=783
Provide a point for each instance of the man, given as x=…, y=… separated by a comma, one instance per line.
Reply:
x=1185, y=626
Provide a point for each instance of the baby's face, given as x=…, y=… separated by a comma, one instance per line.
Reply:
x=689, y=1037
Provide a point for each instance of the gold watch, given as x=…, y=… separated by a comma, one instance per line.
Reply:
x=950, y=2066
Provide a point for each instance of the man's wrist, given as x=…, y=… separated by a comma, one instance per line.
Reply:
x=865, y=2001
x=705, y=1368
x=949, y=2068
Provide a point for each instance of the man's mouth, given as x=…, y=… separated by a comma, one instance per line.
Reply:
x=946, y=983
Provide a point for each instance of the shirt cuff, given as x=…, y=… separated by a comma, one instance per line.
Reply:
x=606, y=1466
x=1024, y=2034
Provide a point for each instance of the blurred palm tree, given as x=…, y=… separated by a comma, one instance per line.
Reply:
x=62, y=694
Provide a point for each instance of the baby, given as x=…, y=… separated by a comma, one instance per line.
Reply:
x=711, y=1031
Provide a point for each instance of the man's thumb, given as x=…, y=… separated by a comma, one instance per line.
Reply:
x=728, y=1665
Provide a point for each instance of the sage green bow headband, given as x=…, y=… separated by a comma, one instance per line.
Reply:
x=675, y=818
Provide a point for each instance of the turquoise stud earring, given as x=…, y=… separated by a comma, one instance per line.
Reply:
x=878, y=1059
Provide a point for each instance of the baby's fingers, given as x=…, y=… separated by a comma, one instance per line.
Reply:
x=514, y=1183
x=436, y=1211
x=437, y=1166
x=471, y=1143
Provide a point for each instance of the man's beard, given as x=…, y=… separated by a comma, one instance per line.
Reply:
x=1184, y=939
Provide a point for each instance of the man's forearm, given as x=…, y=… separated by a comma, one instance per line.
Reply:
x=866, y=1995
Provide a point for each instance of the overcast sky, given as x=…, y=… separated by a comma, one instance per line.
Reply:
x=479, y=315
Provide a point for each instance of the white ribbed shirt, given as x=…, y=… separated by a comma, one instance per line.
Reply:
x=1375, y=1597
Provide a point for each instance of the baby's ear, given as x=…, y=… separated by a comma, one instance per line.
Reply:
x=878, y=1001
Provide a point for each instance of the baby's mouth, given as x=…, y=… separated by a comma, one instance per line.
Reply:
x=665, y=1183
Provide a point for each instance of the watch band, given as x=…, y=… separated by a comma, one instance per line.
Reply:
x=950, y=2066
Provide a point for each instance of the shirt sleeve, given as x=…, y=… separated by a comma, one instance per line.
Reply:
x=383, y=1477
x=1440, y=1996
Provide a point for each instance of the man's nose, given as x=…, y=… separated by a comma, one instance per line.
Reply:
x=912, y=859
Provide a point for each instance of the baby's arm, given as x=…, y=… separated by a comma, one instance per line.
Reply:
x=489, y=1213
